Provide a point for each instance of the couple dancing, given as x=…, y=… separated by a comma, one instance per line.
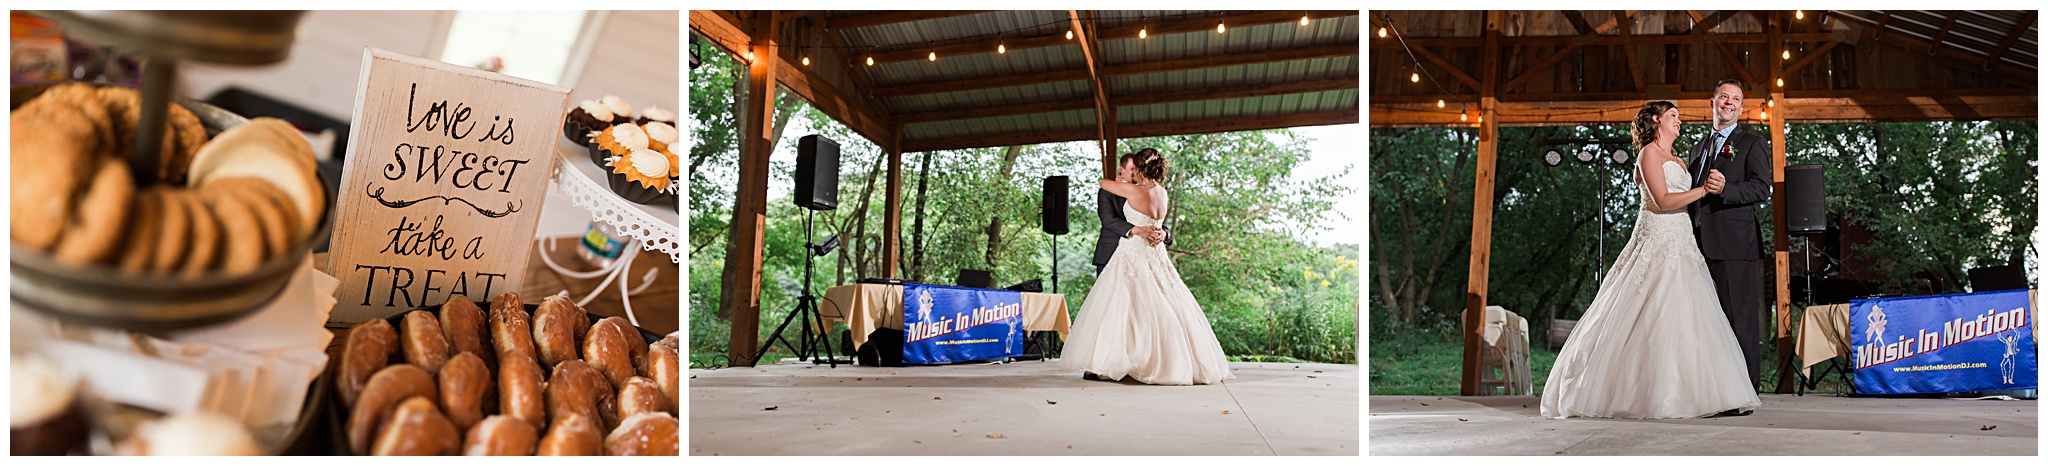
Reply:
x=1140, y=321
x=1675, y=320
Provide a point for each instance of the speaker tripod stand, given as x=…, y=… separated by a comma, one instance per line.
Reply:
x=810, y=344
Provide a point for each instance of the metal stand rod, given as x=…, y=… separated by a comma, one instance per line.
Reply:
x=806, y=307
x=157, y=75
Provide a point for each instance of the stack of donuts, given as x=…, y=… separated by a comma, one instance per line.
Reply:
x=506, y=383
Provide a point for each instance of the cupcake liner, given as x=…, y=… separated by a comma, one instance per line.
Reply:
x=625, y=188
x=574, y=132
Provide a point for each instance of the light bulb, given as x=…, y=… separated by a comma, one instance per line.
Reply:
x=1304, y=20
x=1771, y=103
x=1414, y=77
x=932, y=56
x=1070, y=35
x=1781, y=82
x=1787, y=55
x=807, y=61
x=1799, y=14
x=1439, y=103
x=1482, y=118
x=750, y=55
x=1219, y=28
x=1141, y=33
x=871, y=60
x=1766, y=114
x=1383, y=31
x=1464, y=117
x=1002, y=49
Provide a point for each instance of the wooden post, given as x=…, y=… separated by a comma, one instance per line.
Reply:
x=750, y=204
x=1781, y=249
x=1482, y=210
x=1109, y=151
x=892, y=221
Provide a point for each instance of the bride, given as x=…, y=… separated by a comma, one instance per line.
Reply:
x=1654, y=343
x=1140, y=320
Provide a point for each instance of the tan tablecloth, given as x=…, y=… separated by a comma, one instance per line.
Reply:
x=865, y=307
x=1824, y=333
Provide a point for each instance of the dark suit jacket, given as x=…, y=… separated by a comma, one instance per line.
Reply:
x=1110, y=208
x=1725, y=224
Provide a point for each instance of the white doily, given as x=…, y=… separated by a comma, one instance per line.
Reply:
x=652, y=232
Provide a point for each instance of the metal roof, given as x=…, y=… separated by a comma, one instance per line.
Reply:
x=926, y=76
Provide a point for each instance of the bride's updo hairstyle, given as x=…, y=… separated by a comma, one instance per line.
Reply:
x=1645, y=126
x=1151, y=164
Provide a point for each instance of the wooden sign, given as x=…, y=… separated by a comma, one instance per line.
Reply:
x=446, y=173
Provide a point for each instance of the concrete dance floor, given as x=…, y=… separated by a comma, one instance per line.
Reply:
x=1787, y=425
x=1025, y=408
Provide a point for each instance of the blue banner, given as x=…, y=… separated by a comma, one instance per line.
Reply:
x=1943, y=343
x=949, y=324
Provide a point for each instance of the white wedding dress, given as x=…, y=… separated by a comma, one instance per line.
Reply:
x=1141, y=321
x=1654, y=343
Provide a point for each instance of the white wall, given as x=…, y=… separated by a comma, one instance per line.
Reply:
x=635, y=57
x=320, y=75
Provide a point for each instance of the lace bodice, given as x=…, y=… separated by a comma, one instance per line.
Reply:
x=1675, y=180
x=1666, y=236
x=1137, y=218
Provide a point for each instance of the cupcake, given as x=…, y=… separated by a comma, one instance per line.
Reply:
x=659, y=135
x=45, y=418
x=620, y=139
x=647, y=168
x=589, y=115
x=653, y=113
x=618, y=107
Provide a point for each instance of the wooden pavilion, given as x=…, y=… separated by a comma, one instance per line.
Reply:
x=1533, y=68
x=919, y=81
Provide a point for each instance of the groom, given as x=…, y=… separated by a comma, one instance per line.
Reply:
x=1115, y=227
x=1724, y=221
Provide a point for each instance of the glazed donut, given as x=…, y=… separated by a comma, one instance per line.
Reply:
x=647, y=434
x=511, y=330
x=417, y=429
x=610, y=350
x=466, y=330
x=522, y=390
x=641, y=395
x=466, y=388
x=556, y=324
x=501, y=436
x=368, y=348
x=423, y=341
x=373, y=407
x=577, y=388
x=664, y=366
x=632, y=336
x=575, y=435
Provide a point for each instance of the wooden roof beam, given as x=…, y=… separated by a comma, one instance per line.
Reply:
x=1643, y=39
x=1446, y=65
x=1184, y=64
x=1951, y=58
x=901, y=53
x=1706, y=25
x=1148, y=98
x=1935, y=44
x=1578, y=20
x=1795, y=109
x=1540, y=66
x=1628, y=52
x=892, y=17
x=1091, y=53
x=1172, y=128
x=1811, y=56
x=2018, y=30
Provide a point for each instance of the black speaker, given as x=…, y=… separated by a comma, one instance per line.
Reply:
x=971, y=278
x=1052, y=206
x=817, y=173
x=2004, y=277
x=1805, y=200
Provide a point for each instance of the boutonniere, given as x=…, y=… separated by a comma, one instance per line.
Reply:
x=1728, y=151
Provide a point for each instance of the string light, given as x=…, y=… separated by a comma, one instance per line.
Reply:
x=1781, y=82
x=1787, y=54
x=932, y=56
x=1414, y=77
x=1219, y=26
x=1141, y=32
x=1383, y=31
x=1439, y=103
x=1304, y=19
x=1482, y=118
x=1070, y=34
x=871, y=60
x=1000, y=48
x=807, y=60
x=750, y=55
x=1766, y=114
x=1462, y=116
x=1799, y=14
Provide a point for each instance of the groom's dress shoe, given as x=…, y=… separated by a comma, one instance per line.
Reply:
x=1735, y=413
